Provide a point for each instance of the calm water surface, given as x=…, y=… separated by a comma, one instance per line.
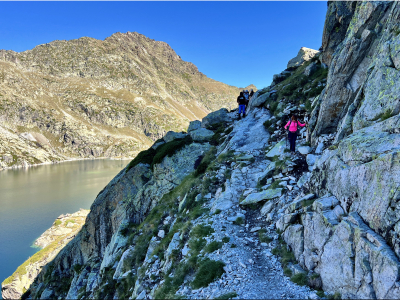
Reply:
x=31, y=199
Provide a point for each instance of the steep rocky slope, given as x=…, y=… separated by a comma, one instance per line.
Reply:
x=92, y=98
x=225, y=211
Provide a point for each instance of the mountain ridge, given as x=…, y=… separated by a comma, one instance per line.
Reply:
x=98, y=98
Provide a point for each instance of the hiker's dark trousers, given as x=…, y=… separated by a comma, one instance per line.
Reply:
x=292, y=136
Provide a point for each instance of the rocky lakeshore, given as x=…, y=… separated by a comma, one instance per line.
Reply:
x=63, y=230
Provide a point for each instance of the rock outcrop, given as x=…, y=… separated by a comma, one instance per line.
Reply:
x=350, y=235
x=305, y=54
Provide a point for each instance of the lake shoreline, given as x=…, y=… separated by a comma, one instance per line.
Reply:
x=63, y=161
x=49, y=244
x=31, y=199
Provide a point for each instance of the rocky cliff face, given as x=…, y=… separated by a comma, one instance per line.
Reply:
x=93, y=98
x=225, y=211
x=350, y=236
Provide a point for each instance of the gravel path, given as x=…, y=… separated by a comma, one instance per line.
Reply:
x=251, y=270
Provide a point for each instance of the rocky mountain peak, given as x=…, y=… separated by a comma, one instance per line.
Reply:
x=304, y=54
x=250, y=87
x=114, y=96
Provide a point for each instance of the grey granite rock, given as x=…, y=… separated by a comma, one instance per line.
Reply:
x=193, y=125
x=171, y=135
x=264, y=195
x=305, y=54
x=216, y=117
x=201, y=135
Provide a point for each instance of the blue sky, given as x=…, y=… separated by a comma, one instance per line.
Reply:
x=238, y=43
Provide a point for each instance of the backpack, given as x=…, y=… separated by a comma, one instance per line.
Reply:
x=297, y=127
x=242, y=100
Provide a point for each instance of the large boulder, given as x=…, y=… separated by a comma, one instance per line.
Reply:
x=310, y=69
x=277, y=150
x=349, y=256
x=216, y=117
x=305, y=54
x=258, y=101
x=251, y=135
x=280, y=77
x=304, y=149
x=264, y=195
x=172, y=135
x=193, y=125
x=201, y=135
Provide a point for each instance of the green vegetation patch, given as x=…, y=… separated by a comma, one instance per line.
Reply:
x=384, y=115
x=175, y=276
x=333, y=147
x=123, y=287
x=226, y=157
x=57, y=223
x=238, y=221
x=282, y=251
x=226, y=239
x=300, y=279
x=220, y=131
x=206, y=161
x=152, y=157
x=196, y=245
x=144, y=157
x=228, y=173
x=269, y=126
x=321, y=294
x=170, y=148
x=263, y=237
x=70, y=221
x=335, y=296
x=208, y=271
x=139, y=253
x=287, y=272
x=213, y=246
x=201, y=230
x=297, y=87
x=275, y=184
x=78, y=268
x=227, y=296
x=172, y=283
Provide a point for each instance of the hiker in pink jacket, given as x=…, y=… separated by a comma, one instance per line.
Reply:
x=292, y=134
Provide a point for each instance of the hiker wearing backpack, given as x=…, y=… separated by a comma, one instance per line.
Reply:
x=251, y=94
x=246, y=95
x=241, y=100
x=293, y=127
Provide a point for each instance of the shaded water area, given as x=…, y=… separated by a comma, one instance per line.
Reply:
x=31, y=199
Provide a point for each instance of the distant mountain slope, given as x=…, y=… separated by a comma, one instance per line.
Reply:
x=92, y=98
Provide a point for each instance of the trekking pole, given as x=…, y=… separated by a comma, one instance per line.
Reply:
x=287, y=138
